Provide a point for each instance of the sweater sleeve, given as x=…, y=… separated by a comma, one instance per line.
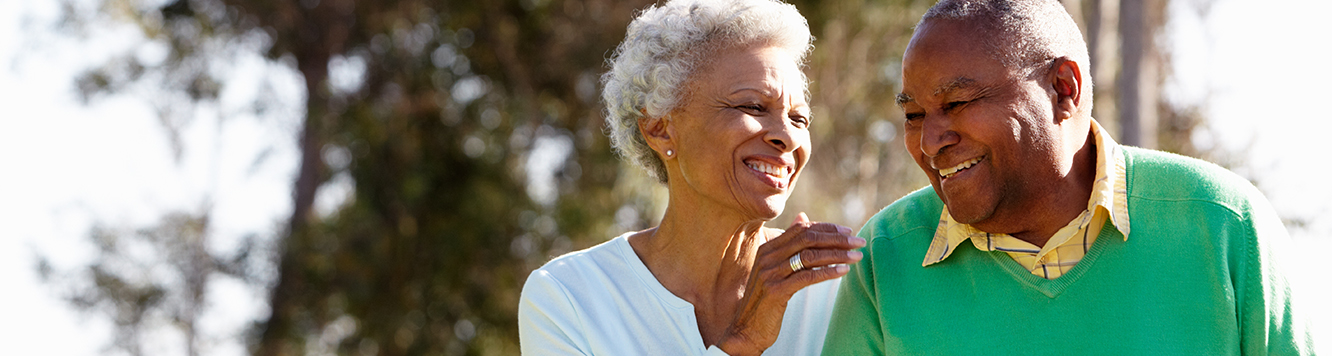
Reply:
x=854, y=328
x=1271, y=322
x=547, y=320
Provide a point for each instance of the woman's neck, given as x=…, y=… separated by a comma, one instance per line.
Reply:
x=703, y=252
x=699, y=254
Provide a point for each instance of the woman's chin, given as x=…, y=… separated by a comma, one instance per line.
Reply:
x=771, y=208
x=761, y=207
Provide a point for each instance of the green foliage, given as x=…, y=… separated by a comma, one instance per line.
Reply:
x=429, y=255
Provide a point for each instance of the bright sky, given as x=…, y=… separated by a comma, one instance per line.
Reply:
x=1263, y=69
x=110, y=162
x=1258, y=68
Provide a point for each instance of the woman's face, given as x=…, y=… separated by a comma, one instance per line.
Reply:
x=741, y=133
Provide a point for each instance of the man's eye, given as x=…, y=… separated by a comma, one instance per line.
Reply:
x=913, y=121
x=955, y=104
x=800, y=121
x=750, y=107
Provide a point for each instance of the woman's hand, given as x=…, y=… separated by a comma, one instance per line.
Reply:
x=823, y=250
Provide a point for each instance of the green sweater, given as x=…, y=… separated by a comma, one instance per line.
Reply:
x=1197, y=276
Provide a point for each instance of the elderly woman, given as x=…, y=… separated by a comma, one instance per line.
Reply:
x=709, y=98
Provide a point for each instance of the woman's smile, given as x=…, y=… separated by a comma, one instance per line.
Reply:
x=775, y=174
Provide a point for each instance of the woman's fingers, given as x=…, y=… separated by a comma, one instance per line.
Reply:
x=801, y=219
x=806, y=253
x=818, y=265
x=809, y=239
x=829, y=227
x=816, y=258
x=785, y=262
x=808, y=277
x=802, y=222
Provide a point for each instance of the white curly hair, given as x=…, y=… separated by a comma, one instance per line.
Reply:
x=666, y=43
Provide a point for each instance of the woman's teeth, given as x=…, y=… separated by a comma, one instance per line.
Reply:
x=949, y=172
x=775, y=171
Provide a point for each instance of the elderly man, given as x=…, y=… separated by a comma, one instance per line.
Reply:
x=1038, y=233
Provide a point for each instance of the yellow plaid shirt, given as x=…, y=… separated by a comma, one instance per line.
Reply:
x=1109, y=200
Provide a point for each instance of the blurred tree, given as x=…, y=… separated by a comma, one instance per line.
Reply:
x=471, y=133
x=1141, y=64
x=858, y=164
x=148, y=277
x=1130, y=64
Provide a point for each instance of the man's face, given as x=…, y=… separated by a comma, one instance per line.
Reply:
x=982, y=133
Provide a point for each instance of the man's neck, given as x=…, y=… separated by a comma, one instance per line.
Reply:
x=1068, y=199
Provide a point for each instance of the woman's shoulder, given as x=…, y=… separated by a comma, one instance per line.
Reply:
x=560, y=306
x=604, y=257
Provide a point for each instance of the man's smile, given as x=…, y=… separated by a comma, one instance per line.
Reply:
x=950, y=171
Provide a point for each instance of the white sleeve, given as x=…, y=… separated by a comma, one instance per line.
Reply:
x=547, y=320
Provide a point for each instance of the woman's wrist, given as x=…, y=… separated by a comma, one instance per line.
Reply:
x=734, y=345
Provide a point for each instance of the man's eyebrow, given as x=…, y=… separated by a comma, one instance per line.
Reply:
x=951, y=86
x=956, y=84
x=902, y=99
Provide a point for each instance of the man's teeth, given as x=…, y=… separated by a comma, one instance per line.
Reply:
x=776, y=171
x=949, y=172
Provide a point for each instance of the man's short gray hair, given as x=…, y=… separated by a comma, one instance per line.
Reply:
x=1022, y=33
x=666, y=43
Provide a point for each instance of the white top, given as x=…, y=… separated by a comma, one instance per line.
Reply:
x=604, y=301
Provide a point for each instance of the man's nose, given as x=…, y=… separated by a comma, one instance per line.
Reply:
x=937, y=134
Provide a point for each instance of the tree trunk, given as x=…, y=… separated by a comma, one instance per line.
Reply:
x=1103, y=48
x=313, y=65
x=1137, y=89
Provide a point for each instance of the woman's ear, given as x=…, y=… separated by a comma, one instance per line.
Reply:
x=1066, y=78
x=657, y=133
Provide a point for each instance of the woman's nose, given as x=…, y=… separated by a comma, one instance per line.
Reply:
x=779, y=136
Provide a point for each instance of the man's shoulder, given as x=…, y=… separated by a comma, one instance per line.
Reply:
x=918, y=210
x=1171, y=163
x=1163, y=176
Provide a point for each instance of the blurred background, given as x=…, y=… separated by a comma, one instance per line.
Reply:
x=338, y=177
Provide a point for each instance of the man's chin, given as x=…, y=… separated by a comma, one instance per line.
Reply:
x=968, y=217
x=967, y=211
